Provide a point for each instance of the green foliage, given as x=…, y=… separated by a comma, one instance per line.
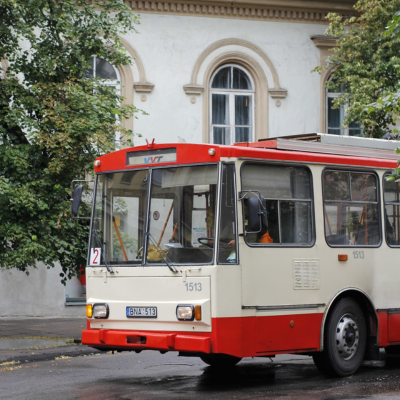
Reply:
x=389, y=100
x=54, y=121
x=367, y=62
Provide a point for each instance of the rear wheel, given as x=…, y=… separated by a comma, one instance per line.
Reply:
x=220, y=360
x=345, y=340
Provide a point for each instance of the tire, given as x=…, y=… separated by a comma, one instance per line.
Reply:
x=345, y=340
x=220, y=360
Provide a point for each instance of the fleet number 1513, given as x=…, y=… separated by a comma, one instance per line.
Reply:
x=358, y=254
x=190, y=287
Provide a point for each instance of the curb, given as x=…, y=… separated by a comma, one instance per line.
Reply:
x=51, y=355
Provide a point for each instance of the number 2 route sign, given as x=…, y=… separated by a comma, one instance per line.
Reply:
x=95, y=255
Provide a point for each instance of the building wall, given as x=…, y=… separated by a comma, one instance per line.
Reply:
x=38, y=294
x=169, y=47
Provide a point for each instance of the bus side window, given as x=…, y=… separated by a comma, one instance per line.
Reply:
x=351, y=208
x=288, y=199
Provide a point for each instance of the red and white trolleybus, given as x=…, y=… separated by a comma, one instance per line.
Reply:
x=251, y=250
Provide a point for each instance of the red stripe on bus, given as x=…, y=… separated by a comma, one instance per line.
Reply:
x=389, y=328
x=241, y=337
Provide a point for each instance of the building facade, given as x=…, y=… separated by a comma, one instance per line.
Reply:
x=208, y=72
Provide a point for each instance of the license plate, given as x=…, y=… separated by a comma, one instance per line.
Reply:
x=141, y=312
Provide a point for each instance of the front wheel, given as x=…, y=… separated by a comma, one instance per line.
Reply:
x=345, y=340
x=220, y=360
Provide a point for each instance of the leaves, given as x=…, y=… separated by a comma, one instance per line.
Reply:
x=54, y=121
x=366, y=62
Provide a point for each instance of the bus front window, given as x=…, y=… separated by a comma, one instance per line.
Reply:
x=180, y=220
x=118, y=219
x=182, y=215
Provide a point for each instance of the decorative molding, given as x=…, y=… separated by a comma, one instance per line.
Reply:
x=195, y=90
x=143, y=87
x=278, y=93
x=325, y=45
x=127, y=81
x=275, y=10
x=139, y=65
x=126, y=77
x=324, y=42
x=322, y=103
x=233, y=42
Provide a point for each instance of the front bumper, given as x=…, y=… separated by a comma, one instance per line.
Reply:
x=141, y=340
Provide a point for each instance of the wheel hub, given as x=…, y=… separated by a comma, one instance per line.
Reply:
x=347, y=337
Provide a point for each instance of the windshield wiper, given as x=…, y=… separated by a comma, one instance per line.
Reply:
x=100, y=243
x=154, y=243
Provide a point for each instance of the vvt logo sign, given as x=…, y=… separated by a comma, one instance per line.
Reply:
x=151, y=157
x=152, y=160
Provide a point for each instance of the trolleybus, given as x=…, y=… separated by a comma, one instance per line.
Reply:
x=251, y=250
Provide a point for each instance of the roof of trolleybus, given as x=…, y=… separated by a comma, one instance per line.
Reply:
x=187, y=153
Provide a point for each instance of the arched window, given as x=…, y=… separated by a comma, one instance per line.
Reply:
x=232, y=106
x=102, y=69
x=335, y=116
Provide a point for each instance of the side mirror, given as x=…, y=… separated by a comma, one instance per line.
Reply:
x=257, y=210
x=76, y=200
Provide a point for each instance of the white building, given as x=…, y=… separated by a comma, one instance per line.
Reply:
x=208, y=71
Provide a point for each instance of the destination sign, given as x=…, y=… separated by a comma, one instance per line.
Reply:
x=151, y=157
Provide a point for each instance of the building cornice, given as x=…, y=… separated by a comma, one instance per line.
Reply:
x=311, y=11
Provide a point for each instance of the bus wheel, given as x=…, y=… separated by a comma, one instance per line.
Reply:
x=345, y=340
x=220, y=360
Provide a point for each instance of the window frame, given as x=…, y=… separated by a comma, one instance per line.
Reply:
x=232, y=93
x=107, y=82
x=235, y=207
x=148, y=217
x=311, y=200
x=116, y=83
x=378, y=203
x=335, y=95
x=384, y=209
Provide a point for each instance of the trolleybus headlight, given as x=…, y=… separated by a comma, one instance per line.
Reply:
x=100, y=311
x=185, y=312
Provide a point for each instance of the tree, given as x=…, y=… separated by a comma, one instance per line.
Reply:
x=366, y=62
x=54, y=121
x=388, y=101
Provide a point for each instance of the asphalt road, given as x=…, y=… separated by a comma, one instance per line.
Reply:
x=150, y=375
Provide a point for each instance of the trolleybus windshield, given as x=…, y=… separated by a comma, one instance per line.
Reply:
x=177, y=220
